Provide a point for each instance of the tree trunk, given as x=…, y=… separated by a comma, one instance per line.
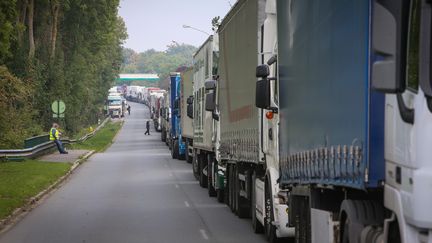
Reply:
x=21, y=17
x=55, y=8
x=30, y=29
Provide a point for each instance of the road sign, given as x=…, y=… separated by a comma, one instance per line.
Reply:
x=58, y=116
x=58, y=106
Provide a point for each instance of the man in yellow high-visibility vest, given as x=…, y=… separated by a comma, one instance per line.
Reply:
x=55, y=136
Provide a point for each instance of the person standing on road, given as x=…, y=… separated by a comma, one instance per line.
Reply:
x=148, y=128
x=55, y=136
x=128, y=109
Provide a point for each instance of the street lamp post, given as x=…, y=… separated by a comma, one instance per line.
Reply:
x=190, y=27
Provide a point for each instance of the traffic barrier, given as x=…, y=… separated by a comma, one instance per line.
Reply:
x=41, y=148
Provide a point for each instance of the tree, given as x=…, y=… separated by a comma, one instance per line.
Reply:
x=159, y=62
x=69, y=50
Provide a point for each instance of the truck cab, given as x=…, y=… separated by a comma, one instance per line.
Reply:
x=116, y=105
x=402, y=45
x=268, y=212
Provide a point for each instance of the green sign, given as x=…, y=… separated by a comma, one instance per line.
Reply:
x=58, y=116
x=58, y=107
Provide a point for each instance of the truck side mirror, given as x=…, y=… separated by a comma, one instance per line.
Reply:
x=189, y=111
x=262, y=71
x=176, y=104
x=262, y=94
x=189, y=100
x=210, y=102
x=210, y=85
x=390, y=25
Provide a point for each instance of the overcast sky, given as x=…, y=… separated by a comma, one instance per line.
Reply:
x=156, y=23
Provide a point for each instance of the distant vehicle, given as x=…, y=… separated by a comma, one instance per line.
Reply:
x=165, y=115
x=186, y=110
x=205, y=124
x=116, y=105
x=176, y=140
x=146, y=94
x=155, y=106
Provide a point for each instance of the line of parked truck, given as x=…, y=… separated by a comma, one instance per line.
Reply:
x=152, y=97
x=313, y=118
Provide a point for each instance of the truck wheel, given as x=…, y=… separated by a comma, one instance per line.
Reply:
x=210, y=176
x=220, y=195
x=177, y=149
x=187, y=156
x=195, y=165
x=174, y=149
x=203, y=178
x=356, y=215
x=227, y=186
x=256, y=224
x=231, y=190
x=163, y=135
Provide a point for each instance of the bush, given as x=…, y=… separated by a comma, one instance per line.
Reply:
x=16, y=116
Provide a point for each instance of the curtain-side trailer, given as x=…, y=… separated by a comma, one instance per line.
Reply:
x=354, y=163
x=186, y=109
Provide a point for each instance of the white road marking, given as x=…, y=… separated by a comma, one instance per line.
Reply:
x=186, y=203
x=204, y=234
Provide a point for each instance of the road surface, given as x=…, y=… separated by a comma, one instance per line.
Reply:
x=133, y=192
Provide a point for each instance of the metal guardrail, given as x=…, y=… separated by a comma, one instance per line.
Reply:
x=43, y=147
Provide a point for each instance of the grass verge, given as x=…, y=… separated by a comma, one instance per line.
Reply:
x=19, y=181
x=101, y=140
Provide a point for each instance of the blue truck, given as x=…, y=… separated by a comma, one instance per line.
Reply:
x=177, y=145
x=355, y=107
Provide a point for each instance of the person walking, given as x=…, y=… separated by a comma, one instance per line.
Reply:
x=128, y=109
x=148, y=128
x=55, y=136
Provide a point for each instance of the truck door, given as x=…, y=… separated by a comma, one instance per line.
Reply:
x=406, y=28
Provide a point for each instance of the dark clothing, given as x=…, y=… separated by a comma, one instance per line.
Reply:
x=147, y=128
x=60, y=146
x=128, y=109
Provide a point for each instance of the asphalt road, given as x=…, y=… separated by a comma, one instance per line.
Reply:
x=133, y=192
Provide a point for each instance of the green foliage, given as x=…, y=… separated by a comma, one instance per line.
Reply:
x=102, y=139
x=77, y=57
x=160, y=62
x=19, y=181
x=7, y=16
x=15, y=97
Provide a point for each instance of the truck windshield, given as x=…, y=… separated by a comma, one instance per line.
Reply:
x=114, y=102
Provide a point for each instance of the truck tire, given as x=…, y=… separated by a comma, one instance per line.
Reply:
x=256, y=224
x=227, y=187
x=180, y=156
x=220, y=195
x=231, y=191
x=233, y=197
x=210, y=176
x=356, y=215
x=195, y=165
x=163, y=135
x=174, y=149
x=188, y=157
x=202, y=164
